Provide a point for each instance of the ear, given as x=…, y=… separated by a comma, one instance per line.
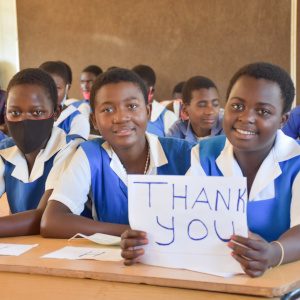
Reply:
x=184, y=109
x=284, y=119
x=149, y=111
x=93, y=118
x=57, y=112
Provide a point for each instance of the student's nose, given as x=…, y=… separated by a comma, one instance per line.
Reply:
x=209, y=110
x=121, y=116
x=247, y=116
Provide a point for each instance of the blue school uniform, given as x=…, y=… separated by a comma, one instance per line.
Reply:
x=269, y=218
x=110, y=192
x=65, y=125
x=78, y=103
x=292, y=126
x=157, y=127
x=182, y=129
x=23, y=196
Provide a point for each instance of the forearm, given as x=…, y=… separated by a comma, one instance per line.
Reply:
x=24, y=223
x=290, y=241
x=63, y=224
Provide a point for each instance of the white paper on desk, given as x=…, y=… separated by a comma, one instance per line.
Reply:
x=99, y=238
x=189, y=220
x=86, y=253
x=15, y=249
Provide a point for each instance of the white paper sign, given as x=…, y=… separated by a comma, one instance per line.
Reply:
x=99, y=238
x=14, y=249
x=86, y=253
x=189, y=220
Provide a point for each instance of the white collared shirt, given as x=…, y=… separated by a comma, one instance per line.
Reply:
x=263, y=186
x=80, y=125
x=56, y=143
x=75, y=183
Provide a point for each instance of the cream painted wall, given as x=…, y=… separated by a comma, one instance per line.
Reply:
x=9, y=45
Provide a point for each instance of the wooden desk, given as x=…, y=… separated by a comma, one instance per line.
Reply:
x=30, y=277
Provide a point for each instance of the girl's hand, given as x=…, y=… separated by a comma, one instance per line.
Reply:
x=129, y=239
x=254, y=254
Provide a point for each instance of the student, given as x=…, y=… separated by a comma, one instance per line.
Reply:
x=70, y=120
x=201, y=104
x=258, y=99
x=292, y=126
x=119, y=103
x=30, y=161
x=161, y=118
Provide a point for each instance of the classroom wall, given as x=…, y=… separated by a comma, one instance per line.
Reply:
x=9, y=55
x=178, y=38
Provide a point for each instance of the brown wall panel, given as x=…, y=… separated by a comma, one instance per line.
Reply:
x=179, y=39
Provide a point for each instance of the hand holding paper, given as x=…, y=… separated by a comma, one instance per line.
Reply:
x=131, y=239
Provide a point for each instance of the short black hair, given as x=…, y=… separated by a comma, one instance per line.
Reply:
x=37, y=77
x=116, y=76
x=93, y=69
x=263, y=70
x=146, y=73
x=69, y=70
x=195, y=83
x=57, y=68
x=178, y=87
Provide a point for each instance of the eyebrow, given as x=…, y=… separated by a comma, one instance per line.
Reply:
x=259, y=103
x=125, y=100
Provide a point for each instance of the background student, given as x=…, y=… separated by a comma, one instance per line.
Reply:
x=201, y=103
x=292, y=126
x=259, y=98
x=119, y=103
x=161, y=118
x=31, y=161
x=70, y=120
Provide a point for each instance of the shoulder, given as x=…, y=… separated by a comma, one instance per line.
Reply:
x=212, y=146
x=93, y=145
x=175, y=145
x=7, y=143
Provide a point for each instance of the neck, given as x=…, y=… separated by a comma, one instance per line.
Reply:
x=134, y=159
x=201, y=132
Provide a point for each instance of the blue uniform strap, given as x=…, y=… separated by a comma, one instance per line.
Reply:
x=209, y=150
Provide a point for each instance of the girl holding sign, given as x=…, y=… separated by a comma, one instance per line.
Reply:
x=259, y=98
x=99, y=168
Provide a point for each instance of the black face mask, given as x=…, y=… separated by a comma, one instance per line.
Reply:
x=29, y=135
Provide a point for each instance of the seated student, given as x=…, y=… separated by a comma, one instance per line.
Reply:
x=258, y=99
x=119, y=103
x=161, y=118
x=292, y=126
x=70, y=120
x=30, y=161
x=3, y=127
x=201, y=104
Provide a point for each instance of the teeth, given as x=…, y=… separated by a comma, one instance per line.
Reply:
x=244, y=132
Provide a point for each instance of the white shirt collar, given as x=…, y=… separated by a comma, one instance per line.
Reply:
x=13, y=155
x=284, y=149
x=156, y=111
x=157, y=157
x=64, y=114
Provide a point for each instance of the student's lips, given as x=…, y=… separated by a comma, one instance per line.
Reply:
x=245, y=134
x=210, y=121
x=123, y=131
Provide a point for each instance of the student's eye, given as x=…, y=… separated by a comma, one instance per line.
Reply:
x=14, y=113
x=238, y=107
x=109, y=110
x=263, y=112
x=132, y=106
x=37, y=113
x=202, y=105
x=216, y=105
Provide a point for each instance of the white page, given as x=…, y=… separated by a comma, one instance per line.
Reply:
x=99, y=238
x=14, y=249
x=86, y=253
x=183, y=217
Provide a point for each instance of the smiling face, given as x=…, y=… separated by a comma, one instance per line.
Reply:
x=253, y=114
x=28, y=101
x=203, y=110
x=121, y=115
